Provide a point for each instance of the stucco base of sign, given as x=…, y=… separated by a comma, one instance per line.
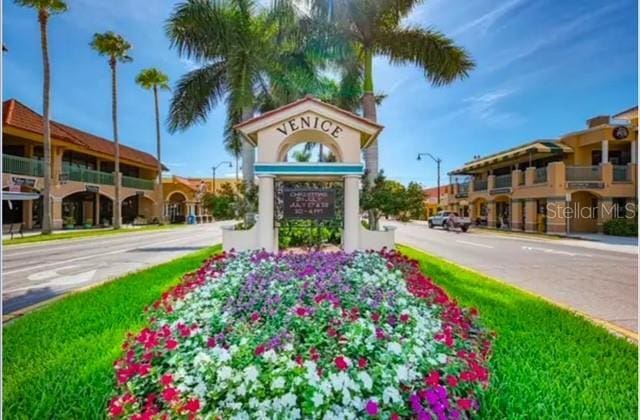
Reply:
x=377, y=239
x=239, y=240
x=245, y=240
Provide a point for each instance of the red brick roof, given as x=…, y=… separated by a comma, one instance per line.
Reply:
x=17, y=115
x=433, y=192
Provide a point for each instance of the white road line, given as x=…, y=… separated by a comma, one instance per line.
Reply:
x=555, y=251
x=474, y=244
x=119, y=251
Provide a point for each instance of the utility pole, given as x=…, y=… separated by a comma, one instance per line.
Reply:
x=438, y=161
x=213, y=178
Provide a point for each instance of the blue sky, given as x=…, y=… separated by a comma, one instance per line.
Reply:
x=543, y=68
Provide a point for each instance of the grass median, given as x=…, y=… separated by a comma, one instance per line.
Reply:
x=79, y=234
x=58, y=361
x=547, y=362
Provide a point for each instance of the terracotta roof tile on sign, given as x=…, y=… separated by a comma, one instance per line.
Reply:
x=18, y=115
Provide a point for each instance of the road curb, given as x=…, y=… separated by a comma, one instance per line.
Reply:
x=612, y=328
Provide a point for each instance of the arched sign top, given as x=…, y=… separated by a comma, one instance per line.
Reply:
x=310, y=113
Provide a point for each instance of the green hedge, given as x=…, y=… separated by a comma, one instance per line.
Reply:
x=620, y=227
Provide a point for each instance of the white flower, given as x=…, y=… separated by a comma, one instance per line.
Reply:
x=318, y=399
x=366, y=380
x=391, y=395
x=394, y=348
x=402, y=373
x=201, y=359
x=277, y=383
x=224, y=373
x=289, y=399
x=250, y=373
x=270, y=355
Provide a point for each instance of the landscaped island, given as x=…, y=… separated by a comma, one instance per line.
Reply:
x=321, y=335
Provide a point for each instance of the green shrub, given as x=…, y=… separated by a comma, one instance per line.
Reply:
x=294, y=233
x=620, y=227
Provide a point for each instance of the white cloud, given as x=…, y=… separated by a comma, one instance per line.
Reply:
x=483, y=23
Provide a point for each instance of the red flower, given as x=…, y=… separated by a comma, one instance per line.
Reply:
x=166, y=379
x=211, y=342
x=260, y=349
x=468, y=376
x=172, y=344
x=192, y=406
x=170, y=394
x=433, y=379
x=395, y=416
x=452, y=381
x=465, y=403
x=255, y=317
x=341, y=363
x=404, y=318
x=299, y=360
x=300, y=311
x=375, y=317
x=314, y=354
x=115, y=408
x=332, y=332
x=362, y=363
x=380, y=334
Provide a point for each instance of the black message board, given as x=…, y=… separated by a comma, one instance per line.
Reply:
x=313, y=203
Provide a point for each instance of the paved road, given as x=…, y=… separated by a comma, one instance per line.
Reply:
x=34, y=273
x=584, y=275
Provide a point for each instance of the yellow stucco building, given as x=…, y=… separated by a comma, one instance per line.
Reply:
x=184, y=196
x=573, y=184
x=83, y=189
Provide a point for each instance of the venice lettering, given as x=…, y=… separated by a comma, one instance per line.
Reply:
x=316, y=123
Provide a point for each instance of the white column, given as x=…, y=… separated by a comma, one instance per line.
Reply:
x=351, y=232
x=265, y=212
x=605, y=151
x=634, y=152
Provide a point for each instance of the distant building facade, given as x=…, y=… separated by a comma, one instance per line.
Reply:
x=184, y=196
x=573, y=184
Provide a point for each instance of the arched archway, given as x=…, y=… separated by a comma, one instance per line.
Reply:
x=318, y=138
x=176, y=207
x=585, y=209
x=478, y=211
x=85, y=208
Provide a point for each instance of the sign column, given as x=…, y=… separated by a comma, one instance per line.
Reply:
x=265, y=212
x=351, y=232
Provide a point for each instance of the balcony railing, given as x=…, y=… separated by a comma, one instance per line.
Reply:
x=583, y=173
x=540, y=175
x=137, y=183
x=78, y=173
x=502, y=181
x=620, y=173
x=463, y=188
x=480, y=185
x=22, y=166
x=521, y=178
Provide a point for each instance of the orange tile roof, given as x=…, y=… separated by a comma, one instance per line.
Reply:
x=17, y=115
x=433, y=192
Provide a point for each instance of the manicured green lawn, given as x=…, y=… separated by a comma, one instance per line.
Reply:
x=77, y=234
x=58, y=361
x=547, y=363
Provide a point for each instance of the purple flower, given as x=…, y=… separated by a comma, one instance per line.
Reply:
x=372, y=408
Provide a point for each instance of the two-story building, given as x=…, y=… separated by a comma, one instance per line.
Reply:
x=83, y=175
x=431, y=203
x=573, y=184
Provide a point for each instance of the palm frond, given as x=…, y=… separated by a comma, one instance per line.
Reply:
x=442, y=61
x=195, y=94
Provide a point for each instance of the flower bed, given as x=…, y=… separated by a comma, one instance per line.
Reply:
x=336, y=335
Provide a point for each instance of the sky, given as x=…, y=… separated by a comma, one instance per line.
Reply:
x=542, y=69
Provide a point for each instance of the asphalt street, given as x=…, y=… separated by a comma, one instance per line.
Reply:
x=38, y=272
x=594, y=278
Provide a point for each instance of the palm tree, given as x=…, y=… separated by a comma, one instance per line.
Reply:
x=45, y=9
x=374, y=28
x=116, y=48
x=244, y=54
x=155, y=80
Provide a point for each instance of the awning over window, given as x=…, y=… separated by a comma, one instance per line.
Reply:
x=19, y=196
x=535, y=150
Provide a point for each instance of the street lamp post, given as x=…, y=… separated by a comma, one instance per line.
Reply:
x=438, y=161
x=213, y=179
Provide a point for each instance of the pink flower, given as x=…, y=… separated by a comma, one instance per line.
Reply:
x=211, y=342
x=341, y=363
x=372, y=408
x=375, y=317
x=166, y=379
x=465, y=403
x=362, y=363
x=255, y=317
x=115, y=408
x=433, y=379
x=172, y=344
x=170, y=394
x=395, y=416
x=192, y=406
x=300, y=311
x=452, y=381
x=404, y=318
x=260, y=349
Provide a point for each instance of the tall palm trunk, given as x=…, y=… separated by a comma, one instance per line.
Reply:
x=158, y=148
x=248, y=154
x=117, y=206
x=369, y=112
x=43, y=17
